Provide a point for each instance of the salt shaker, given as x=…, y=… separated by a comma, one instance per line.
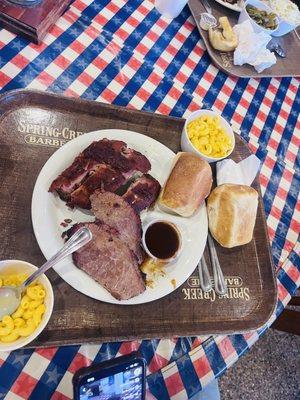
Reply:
x=170, y=8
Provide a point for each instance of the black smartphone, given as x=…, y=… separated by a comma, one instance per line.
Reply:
x=122, y=378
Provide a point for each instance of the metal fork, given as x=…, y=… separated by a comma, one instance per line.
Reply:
x=220, y=284
x=204, y=277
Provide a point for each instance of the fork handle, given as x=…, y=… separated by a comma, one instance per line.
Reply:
x=204, y=276
x=76, y=241
x=220, y=284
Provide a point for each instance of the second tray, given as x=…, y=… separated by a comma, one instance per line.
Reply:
x=288, y=66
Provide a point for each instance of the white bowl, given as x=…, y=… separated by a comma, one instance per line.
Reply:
x=16, y=266
x=186, y=144
x=244, y=16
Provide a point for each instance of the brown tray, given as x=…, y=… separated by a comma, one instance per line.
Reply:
x=32, y=126
x=288, y=66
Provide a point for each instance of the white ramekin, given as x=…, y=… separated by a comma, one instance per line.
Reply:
x=176, y=255
x=186, y=144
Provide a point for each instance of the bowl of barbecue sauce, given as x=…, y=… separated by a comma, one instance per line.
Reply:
x=162, y=240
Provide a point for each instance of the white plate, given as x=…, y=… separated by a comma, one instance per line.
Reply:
x=233, y=7
x=48, y=211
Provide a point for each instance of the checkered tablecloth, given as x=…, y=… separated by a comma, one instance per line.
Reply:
x=124, y=52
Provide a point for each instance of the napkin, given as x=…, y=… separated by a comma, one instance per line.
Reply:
x=242, y=173
x=252, y=47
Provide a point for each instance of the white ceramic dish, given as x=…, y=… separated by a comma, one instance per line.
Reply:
x=186, y=144
x=244, y=16
x=234, y=7
x=177, y=253
x=16, y=266
x=48, y=211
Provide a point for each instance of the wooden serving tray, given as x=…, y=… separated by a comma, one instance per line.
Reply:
x=32, y=126
x=288, y=66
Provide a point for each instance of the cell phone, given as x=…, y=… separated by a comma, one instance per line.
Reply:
x=122, y=378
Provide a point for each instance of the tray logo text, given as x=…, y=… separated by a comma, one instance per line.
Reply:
x=236, y=290
x=43, y=135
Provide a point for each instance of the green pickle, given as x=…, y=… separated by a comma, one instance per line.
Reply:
x=262, y=17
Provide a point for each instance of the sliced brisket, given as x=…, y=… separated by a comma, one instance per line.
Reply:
x=117, y=213
x=109, y=261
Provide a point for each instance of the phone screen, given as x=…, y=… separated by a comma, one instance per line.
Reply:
x=124, y=385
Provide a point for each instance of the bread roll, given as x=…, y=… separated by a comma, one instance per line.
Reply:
x=231, y=213
x=187, y=186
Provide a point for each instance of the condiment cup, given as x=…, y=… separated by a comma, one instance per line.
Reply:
x=8, y=267
x=244, y=16
x=176, y=254
x=186, y=144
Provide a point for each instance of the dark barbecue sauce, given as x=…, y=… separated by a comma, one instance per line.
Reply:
x=162, y=240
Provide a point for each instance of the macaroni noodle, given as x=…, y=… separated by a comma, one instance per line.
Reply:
x=28, y=316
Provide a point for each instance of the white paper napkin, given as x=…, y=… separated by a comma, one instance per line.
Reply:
x=252, y=47
x=242, y=173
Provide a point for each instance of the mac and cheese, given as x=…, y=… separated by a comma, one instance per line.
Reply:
x=207, y=135
x=28, y=315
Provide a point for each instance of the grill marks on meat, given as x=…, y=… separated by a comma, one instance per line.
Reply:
x=142, y=193
x=118, y=155
x=71, y=178
x=104, y=177
x=87, y=172
x=117, y=213
x=108, y=260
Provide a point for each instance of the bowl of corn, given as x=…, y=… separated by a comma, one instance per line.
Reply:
x=207, y=134
x=33, y=314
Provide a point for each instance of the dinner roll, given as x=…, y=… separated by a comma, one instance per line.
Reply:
x=231, y=213
x=188, y=185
